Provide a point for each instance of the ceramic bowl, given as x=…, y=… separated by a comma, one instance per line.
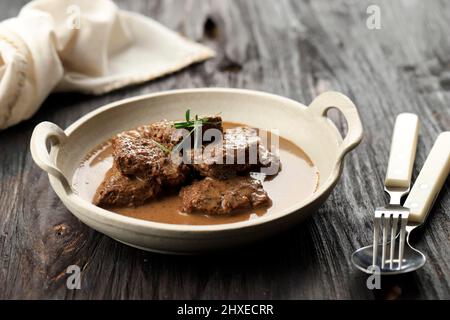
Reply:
x=307, y=127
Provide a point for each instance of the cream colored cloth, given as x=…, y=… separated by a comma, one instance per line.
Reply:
x=89, y=46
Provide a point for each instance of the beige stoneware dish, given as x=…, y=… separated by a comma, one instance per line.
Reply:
x=307, y=127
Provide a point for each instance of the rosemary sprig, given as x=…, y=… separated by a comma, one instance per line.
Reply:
x=177, y=147
x=162, y=147
x=191, y=123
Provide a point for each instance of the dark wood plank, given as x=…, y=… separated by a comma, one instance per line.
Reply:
x=292, y=48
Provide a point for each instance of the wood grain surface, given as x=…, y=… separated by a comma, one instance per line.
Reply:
x=292, y=48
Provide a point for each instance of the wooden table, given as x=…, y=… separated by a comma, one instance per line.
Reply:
x=292, y=48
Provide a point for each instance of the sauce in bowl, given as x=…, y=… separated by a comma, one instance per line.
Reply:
x=297, y=179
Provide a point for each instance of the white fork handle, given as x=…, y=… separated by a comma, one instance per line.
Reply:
x=430, y=180
x=403, y=151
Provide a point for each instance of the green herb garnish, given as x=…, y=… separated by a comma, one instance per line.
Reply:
x=175, y=149
x=191, y=123
x=162, y=147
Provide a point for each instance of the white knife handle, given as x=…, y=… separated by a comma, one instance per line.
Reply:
x=403, y=151
x=430, y=180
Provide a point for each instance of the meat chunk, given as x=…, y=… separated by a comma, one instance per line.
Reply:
x=162, y=132
x=210, y=166
x=135, y=154
x=218, y=197
x=212, y=122
x=118, y=190
x=240, y=151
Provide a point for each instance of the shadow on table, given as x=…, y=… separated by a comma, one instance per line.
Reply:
x=270, y=251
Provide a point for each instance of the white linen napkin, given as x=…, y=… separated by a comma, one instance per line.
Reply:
x=82, y=45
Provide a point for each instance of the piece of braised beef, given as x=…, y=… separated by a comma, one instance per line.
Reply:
x=135, y=154
x=241, y=151
x=218, y=197
x=118, y=190
x=162, y=132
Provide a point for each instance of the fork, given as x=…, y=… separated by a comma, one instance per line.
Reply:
x=397, y=184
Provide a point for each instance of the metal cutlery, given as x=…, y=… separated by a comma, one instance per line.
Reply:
x=419, y=203
x=396, y=184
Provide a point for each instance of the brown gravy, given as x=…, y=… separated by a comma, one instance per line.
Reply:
x=297, y=180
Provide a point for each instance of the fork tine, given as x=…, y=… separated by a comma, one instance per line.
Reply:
x=404, y=220
x=385, y=221
x=393, y=234
x=376, y=233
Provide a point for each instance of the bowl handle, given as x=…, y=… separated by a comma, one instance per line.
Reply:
x=332, y=99
x=43, y=132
